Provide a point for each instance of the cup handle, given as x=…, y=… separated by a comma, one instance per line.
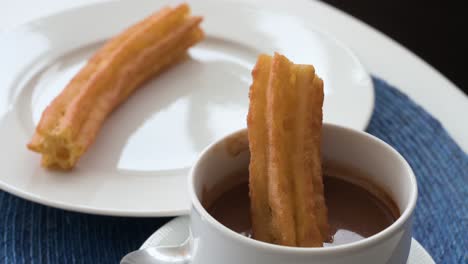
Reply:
x=180, y=254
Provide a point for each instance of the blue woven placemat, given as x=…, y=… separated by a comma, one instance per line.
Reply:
x=32, y=233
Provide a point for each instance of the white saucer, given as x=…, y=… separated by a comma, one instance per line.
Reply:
x=140, y=160
x=177, y=230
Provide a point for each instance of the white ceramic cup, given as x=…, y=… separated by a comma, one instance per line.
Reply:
x=211, y=242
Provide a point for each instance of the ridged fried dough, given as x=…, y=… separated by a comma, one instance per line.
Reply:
x=69, y=125
x=284, y=130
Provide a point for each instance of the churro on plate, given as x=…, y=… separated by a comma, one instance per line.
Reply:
x=69, y=125
x=284, y=131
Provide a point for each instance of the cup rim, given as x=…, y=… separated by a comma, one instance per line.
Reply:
x=260, y=245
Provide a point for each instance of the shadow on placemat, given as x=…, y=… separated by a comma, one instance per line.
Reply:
x=32, y=233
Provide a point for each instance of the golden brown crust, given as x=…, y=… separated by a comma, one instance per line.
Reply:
x=71, y=122
x=284, y=126
x=258, y=180
x=308, y=175
x=279, y=128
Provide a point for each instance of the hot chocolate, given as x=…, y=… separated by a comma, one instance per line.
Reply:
x=354, y=212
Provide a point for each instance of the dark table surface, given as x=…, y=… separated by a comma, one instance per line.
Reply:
x=433, y=30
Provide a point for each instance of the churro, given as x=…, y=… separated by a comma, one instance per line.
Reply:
x=284, y=130
x=69, y=125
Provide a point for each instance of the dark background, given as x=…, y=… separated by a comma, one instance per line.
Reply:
x=434, y=30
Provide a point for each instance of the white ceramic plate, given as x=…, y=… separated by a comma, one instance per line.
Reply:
x=380, y=54
x=177, y=230
x=140, y=160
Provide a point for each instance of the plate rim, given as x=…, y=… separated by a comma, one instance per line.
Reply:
x=87, y=209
